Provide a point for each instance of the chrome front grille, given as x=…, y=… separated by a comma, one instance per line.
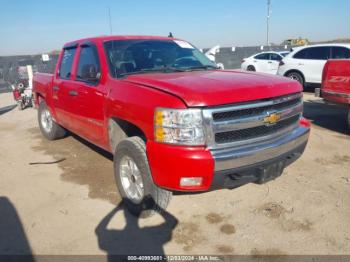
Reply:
x=249, y=133
x=227, y=115
x=252, y=122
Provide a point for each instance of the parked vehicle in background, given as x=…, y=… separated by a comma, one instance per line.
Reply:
x=264, y=62
x=305, y=64
x=173, y=121
x=335, y=86
x=211, y=54
x=23, y=95
x=22, y=89
x=296, y=41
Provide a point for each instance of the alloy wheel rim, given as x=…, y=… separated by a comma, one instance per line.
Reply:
x=294, y=77
x=46, y=120
x=131, y=179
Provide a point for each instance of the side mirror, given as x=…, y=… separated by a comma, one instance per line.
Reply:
x=90, y=73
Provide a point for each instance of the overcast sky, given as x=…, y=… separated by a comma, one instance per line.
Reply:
x=38, y=26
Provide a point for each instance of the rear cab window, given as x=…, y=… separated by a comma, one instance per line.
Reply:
x=65, y=70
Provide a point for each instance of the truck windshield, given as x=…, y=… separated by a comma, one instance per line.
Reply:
x=126, y=57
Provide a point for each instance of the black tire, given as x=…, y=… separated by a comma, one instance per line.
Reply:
x=55, y=131
x=154, y=198
x=296, y=76
x=251, y=68
x=348, y=119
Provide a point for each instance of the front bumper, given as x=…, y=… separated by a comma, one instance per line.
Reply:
x=234, y=158
x=225, y=167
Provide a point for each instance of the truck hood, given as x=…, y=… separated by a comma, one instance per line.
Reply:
x=219, y=87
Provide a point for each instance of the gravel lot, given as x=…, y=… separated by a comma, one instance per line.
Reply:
x=69, y=207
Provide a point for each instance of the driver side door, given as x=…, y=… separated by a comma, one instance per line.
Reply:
x=90, y=95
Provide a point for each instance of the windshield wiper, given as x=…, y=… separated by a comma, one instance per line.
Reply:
x=205, y=67
x=151, y=70
x=164, y=69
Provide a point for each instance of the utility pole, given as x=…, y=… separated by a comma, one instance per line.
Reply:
x=268, y=22
x=110, y=21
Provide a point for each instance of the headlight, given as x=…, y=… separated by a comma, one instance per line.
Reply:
x=179, y=126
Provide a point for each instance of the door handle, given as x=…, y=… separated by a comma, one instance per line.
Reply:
x=73, y=93
x=269, y=62
x=56, y=88
x=300, y=64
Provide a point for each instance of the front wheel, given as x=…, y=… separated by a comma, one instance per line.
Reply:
x=296, y=76
x=48, y=127
x=134, y=180
x=251, y=68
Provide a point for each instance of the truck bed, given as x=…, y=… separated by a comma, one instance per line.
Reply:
x=42, y=82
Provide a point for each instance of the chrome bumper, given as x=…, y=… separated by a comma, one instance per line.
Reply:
x=230, y=158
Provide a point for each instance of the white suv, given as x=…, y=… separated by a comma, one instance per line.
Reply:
x=305, y=64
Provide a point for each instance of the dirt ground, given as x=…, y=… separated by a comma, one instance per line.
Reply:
x=60, y=198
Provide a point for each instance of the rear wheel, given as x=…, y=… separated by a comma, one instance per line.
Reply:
x=48, y=127
x=296, y=76
x=251, y=68
x=133, y=176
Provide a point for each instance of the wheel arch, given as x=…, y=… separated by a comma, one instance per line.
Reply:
x=296, y=71
x=253, y=66
x=38, y=98
x=119, y=129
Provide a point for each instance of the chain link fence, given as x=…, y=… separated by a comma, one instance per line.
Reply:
x=11, y=73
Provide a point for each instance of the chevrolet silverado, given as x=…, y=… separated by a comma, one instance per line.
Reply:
x=172, y=120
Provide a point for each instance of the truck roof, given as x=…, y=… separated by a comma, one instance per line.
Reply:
x=118, y=37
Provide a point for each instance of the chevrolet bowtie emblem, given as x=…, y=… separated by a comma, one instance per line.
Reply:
x=272, y=118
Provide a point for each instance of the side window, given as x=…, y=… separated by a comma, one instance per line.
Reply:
x=67, y=62
x=265, y=56
x=301, y=54
x=275, y=57
x=318, y=53
x=88, y=65
x=339, y=52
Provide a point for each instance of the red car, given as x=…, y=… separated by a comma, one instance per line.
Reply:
x=170, y=117
x=335, y=87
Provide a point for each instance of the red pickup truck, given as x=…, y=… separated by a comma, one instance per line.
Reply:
x=170, y=117
x=335, y=88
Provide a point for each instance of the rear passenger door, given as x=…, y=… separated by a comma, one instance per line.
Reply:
x=61, y=87
x=89, y=103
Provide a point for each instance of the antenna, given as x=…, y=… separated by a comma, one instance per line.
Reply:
x=110, y=21
x=268, y=22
